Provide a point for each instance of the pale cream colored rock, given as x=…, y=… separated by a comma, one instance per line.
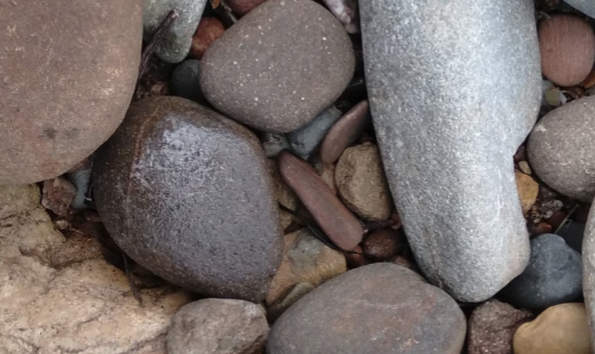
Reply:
x=528, y=190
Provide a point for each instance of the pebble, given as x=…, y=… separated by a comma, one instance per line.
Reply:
x=492, y=326
x=561, y=152
x=242, y=7
x=528, y=190
x=393, y=310
x=273, y=143
x=525, y=167
x=383, y=244
x=80, y=177
x=205, y=178
x=344, y=132
x=361, y=182
x=218, y=326
x=327, y=173
x=588, y=258
x=300, y=289
x=267, y=74
x=57, y=195
x=356, y=258
x=209, y=29
x=185, y=80
x=561, y=329
x=585, y=6
x=56, y=66
x=283, y=194
x=304, y=140
x=177, y=40
x=346, y=12
x=553, y=275
x=448, y=164
x=567, y=46
x=339, y=224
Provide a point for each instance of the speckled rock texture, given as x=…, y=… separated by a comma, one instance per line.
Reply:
x=184, y=191
x=218, y=326
x=279, y=66
x=447, y=153
x=561, y=149
x=585, y=6
x=178, y=38
x=55, y=300
x=589, y=271
x=379, y=308
x=67, y=74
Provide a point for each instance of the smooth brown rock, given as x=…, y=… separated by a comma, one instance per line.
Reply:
x=356, y=258
x=344, y=132
x=57, y=195
x=340, y=225
x=242, y=7
x=209, y=29
x=567, y=46
x=382, y=245
x=560, y=329
x=528, y=190
x=67, y=74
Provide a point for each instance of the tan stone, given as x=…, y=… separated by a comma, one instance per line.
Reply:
x=528, y=190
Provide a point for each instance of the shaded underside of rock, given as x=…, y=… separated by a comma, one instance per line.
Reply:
x=454, y=88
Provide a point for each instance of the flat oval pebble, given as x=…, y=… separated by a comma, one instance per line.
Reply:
x=379, y=308
x=561, y=149
x=185, y=192
x=279, y=66
x=67, y=74
x=340, y=225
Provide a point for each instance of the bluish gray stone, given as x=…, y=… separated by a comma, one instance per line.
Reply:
x=589, y=270
x=304, y=140
x=81, y=179
x=454, y=88
x=185, y=80
x=585, y=6
x=178, y=39
x=553, y=276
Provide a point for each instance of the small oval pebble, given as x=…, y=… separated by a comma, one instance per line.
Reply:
x=382, y=245
x=344, y=132
x=209, y=29
x=528, y=190
x=305, y=139
x=567, y=46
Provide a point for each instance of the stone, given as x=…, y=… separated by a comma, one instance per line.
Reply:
x=339, y=224
x=344, y=132
x=588, y=258
x=327, y=173
x=567, y=47
x=553, y=275
x=221, y=326
x=378, y=308
x=492, y=326
x=305, y=260
x=57, y=195
x=283, y=193
x=55, y=300
x=361, y=182
x=242, y=7
x=295, y=293
x=209, y=29
x=561, y=152
x=561, y=329
x=185, y=80
x=80, y=177
x=585, y=6
x=177, y=39
x=528, y=190
x=304, y=140
x=346, y=12
x=356, y=258
x=449, y=164
x=382, y=245
x=279, y=66
x=273, y=143
x=67, y=74
x=185, y=193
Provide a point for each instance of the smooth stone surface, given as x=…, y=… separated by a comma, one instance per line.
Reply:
x=178, y=38
x=588, y=270
x=185, y=80
x=361, y=182
x=561, y=149
x=339, y=224
x=553, y=275
x=561, y=329
x=284, y=195
x=67, y=74
x=528, y=190
x=344, y=132
x=379, y=308
x=218, y=326
x=304, y=140
x=61, y=298
x=383, y=244
x=271, y=70
x=492, y=326
x=184, y=191
x=447, y=153
x=585, y=6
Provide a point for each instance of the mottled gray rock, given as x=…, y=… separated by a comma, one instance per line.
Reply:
x=589, y=271
x=185, y=80
x=185, y=192
x=553, y=275
x=379, y=308
x=304, y=140
x=585, y=6
x=67, y=73
x=561, y=149
x=279, y=66
x=178, y=38
x=454, y=88
x=218, y=326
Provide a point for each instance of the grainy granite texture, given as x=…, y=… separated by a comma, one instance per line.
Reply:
x=585, y=6
x=589, y=271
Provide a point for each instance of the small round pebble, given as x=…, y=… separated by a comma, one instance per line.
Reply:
x=209, y=29
x=382, y=245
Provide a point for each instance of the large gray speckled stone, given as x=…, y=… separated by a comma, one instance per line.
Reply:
x=279, y=66
x=185, y=192
x=454, y=88
x=178, y=38
x=589, y=271
x=585, y=6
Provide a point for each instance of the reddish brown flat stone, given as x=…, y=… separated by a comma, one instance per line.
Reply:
x=209, y=29
x=341, y=226
x=344, y=132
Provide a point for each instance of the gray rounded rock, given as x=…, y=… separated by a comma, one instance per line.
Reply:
x=585, y=6
x=67, y=74
x=185, y=192
x=379, y=308
x=279, y=66
x=561, y=149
